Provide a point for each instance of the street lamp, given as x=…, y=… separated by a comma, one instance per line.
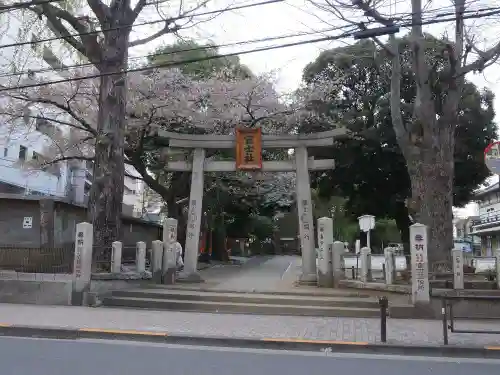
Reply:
x=366, y=224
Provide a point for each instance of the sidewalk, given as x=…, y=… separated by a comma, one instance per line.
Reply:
x=403, y=332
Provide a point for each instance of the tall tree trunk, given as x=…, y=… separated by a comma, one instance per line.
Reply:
x=431, y=178
x=219, y=241
x=106, y=194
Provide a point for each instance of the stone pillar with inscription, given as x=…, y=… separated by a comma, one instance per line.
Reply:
x=82, y=266
x=169, y=239
x=304, y=203
x=156, y=260
x=116, y=257
x=338, y=251
x=458, y=268
x=366, y=264
x=140, y=257
x=190, y=272
x=419, y=264
x=325, y=240
x=390, y=265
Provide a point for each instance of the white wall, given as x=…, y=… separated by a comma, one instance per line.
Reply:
x=133, y=194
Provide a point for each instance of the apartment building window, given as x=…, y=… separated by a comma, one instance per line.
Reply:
x=22, y=152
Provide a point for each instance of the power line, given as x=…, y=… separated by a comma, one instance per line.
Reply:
x=170, y=20
x=177, y=63
x=207, y=47
x=206, y=58
x=180, y=51
x=93, y=32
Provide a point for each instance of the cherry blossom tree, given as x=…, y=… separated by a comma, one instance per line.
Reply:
x=102, y=34
x=167, y=99
x=157, y=99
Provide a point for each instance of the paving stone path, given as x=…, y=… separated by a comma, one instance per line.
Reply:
x=419, y=332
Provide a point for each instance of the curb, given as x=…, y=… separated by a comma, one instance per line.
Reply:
x=7, y=330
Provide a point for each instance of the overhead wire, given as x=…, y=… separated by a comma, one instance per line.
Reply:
x=179, y=51
x=262, y=49
x=213, y=46
x=153, y=22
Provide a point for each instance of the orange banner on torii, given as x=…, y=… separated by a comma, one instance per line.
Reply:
x=248, y=148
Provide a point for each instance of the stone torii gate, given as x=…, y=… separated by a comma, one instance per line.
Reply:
x=249, y=143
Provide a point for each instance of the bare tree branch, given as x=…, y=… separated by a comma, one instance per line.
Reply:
x=85, y=125
x=100, y=9
x=88, y=47
x=170, y=26
x=373, y=13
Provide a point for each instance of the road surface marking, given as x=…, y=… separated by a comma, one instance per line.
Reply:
x=317, y=341
x=123, y=332
x=492, y=347
x=287, y=269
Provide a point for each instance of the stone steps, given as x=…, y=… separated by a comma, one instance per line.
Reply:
x=244, y=303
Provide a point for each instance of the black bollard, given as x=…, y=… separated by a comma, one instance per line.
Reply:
x=384, y=304
x=445, y=321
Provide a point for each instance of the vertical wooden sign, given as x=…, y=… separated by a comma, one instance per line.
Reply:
x=248, y=149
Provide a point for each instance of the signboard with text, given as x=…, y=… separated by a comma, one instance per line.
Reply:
x=248, y=148
x=419, y=263
x=492, y=157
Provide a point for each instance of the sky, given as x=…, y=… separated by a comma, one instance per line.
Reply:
x=302, y=16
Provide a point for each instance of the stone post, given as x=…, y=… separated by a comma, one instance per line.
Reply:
x=304, y=205
x=169, y=240
x=365, y=264
x=458, y=268
x=192, y=247
x=497, y=266
x=419, y=264
x=156, y=261
x=390, y=265
x=140, y=257
x=116, y=257
x=325, y=239
x=338, y=252
x=82, y=266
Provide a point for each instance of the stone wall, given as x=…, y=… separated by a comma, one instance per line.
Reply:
x=53, y=223
x=55, y=289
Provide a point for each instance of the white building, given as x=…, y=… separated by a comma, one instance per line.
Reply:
x=487, y=225
x=27, y=138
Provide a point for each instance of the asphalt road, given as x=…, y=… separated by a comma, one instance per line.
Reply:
x=85, y=357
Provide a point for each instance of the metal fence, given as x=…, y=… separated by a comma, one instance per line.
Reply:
x=37, y=260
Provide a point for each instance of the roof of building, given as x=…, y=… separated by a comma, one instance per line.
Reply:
x=145, y=220
x=489, y=189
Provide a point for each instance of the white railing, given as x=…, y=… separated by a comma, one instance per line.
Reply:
x=482, y=264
